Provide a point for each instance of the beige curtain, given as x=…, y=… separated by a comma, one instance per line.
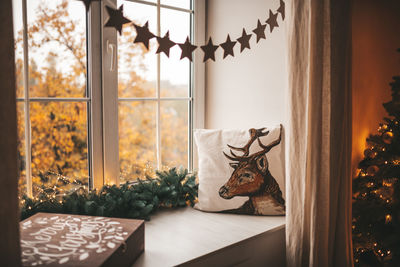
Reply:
x=319, y=133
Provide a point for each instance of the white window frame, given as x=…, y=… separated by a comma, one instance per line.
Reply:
x=102, y=94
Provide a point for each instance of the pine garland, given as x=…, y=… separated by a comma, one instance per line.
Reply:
x=136, y=200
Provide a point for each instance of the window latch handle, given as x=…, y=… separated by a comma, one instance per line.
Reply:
x=111, y=49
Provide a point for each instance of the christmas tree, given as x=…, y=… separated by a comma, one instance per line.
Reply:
x=376, y=192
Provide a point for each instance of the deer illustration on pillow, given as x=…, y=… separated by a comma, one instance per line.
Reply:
x=251, y=177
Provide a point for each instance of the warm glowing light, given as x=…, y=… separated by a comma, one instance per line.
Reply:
x=388, y=218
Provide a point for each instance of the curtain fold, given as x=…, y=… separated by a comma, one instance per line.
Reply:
x=318, y=229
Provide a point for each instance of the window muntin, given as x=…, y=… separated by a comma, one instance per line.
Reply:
x=51, y=60
x=66, y=117
x=56, y=48
x=162, y=90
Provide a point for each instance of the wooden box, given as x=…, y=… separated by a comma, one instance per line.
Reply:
x=49, y=239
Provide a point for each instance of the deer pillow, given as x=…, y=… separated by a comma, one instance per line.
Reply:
x=241, y=171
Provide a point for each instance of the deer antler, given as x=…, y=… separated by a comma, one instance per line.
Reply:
x=254, y=135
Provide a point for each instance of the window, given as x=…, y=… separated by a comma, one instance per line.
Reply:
x=91, y=114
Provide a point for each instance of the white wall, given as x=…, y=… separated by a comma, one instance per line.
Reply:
x=249, y=89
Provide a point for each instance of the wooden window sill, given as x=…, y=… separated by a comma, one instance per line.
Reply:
x=189, y=237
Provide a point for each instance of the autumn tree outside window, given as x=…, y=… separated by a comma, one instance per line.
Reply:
x=96, y=114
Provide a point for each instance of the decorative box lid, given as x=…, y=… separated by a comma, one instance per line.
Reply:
x=51, y=239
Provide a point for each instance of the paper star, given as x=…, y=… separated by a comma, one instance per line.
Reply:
x=281, y=9
x=244, y=40
x=116, y=18
x=143, y=35
x=228, y=46
x=87, y=3
x=260, y=31
x=272, y=20
x=209, y=50
x=187, y=49
x=164, y=44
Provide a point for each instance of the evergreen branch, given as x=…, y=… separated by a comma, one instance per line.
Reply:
x=136, y=200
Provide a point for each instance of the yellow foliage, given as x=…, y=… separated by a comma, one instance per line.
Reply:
x=59, y=129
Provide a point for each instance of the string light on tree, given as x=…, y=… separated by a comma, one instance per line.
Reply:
x=387, y=137
x=376, y=193
x=369, y=153
x=372, y=170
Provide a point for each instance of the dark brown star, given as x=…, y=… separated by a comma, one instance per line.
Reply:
x=116, y=18
x=244, y=40
x=87, y=3
x=187, y=49
x=281, y=9
x=143, y=35
x=164, y=44
x=260, y=31
x=209, y=50
x=272, y=20
x=228, y=46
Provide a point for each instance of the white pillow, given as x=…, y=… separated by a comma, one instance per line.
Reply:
x=241, y=181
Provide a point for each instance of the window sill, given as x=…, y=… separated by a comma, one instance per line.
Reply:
x=193, y=238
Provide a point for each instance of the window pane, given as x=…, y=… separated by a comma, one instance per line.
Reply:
x=57, y=48
x=59, y=142
x=174, y=133
x=137, y=139
x=18, y=41
x=175, y=83
x=137, y=67
x=177, y=3
x=21, y=148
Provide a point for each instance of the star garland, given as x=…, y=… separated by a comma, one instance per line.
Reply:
x=244, y=41
x=143, y=35
x=228, y=47
x=209, y=50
